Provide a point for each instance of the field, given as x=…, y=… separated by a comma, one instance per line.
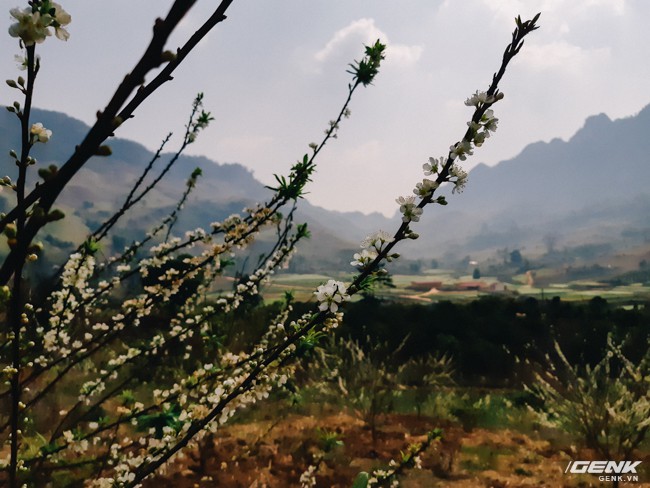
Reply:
x=438, y=285
x=501, y=447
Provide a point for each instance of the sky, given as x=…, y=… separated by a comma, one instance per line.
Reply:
x=274, y=74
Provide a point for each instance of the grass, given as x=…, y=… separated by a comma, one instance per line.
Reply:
x=469, y=407
x=484, y=457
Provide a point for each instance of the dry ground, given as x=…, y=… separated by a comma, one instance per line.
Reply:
x=273, y=455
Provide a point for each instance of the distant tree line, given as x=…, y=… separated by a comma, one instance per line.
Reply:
x=493, y=340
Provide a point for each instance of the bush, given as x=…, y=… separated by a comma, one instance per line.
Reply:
x=606, y=406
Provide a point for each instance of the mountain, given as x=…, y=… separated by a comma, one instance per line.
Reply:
x=592, y=188
x=223, y=189
x=589, y=190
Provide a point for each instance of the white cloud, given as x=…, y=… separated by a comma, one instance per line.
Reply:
x=565, y=7
x=365, y=31
x=564, y=56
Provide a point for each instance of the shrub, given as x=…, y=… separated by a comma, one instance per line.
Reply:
x=606, y=405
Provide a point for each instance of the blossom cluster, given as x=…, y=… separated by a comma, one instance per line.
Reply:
x=78, y=323
x=40, y=133
x=477, y=133
x=198, y=402
x=444, y=169
x=33, y=23
x=409, y=209
x=330, y=295
x=371, y=246
x=308, y=477
x=209, y=397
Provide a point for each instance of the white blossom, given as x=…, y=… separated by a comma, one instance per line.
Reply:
x=30, y=28
x=481, y=97
x=425, y=188
x=308, y=477
x=330, y=295
x=364, y=258
x=433, y=166
x=40, y=133
x=377, y=240
x=61, y=19
x=410, y=212
x=461, y=178
x=461, y=150
x=476, y=98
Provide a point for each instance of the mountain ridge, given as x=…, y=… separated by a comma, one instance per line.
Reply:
x=591, y=186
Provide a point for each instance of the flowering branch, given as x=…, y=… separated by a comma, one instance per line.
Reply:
x=333, y=293
x=479, y=127
x=114, y=114
x=409, y=459
x=169, y=316
x=75, y=329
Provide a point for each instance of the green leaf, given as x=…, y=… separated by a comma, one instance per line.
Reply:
x=91, y=246
x=361, y=480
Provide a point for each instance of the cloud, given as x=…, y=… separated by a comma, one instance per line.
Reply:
x=565, y=7
x=365, y=31
x=564, y=56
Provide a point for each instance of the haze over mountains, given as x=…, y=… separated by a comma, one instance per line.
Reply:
x=592, y=189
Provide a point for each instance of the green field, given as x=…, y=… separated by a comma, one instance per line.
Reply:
x=303, y=286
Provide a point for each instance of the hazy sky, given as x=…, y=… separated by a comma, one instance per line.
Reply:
x=274, y=73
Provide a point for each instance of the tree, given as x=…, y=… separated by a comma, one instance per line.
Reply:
x=516, y=258
x=153, y=379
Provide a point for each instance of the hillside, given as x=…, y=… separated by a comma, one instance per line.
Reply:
x=591, y=189
x=223, y=189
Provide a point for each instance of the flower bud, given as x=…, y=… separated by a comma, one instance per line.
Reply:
x=55, y=215
x=167, y=56
x=11, y=230
x=35, y=248
x=12, y=83
x=103, y=151
x=45, y=173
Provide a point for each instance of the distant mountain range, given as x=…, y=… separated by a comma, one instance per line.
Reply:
x=592, y=189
